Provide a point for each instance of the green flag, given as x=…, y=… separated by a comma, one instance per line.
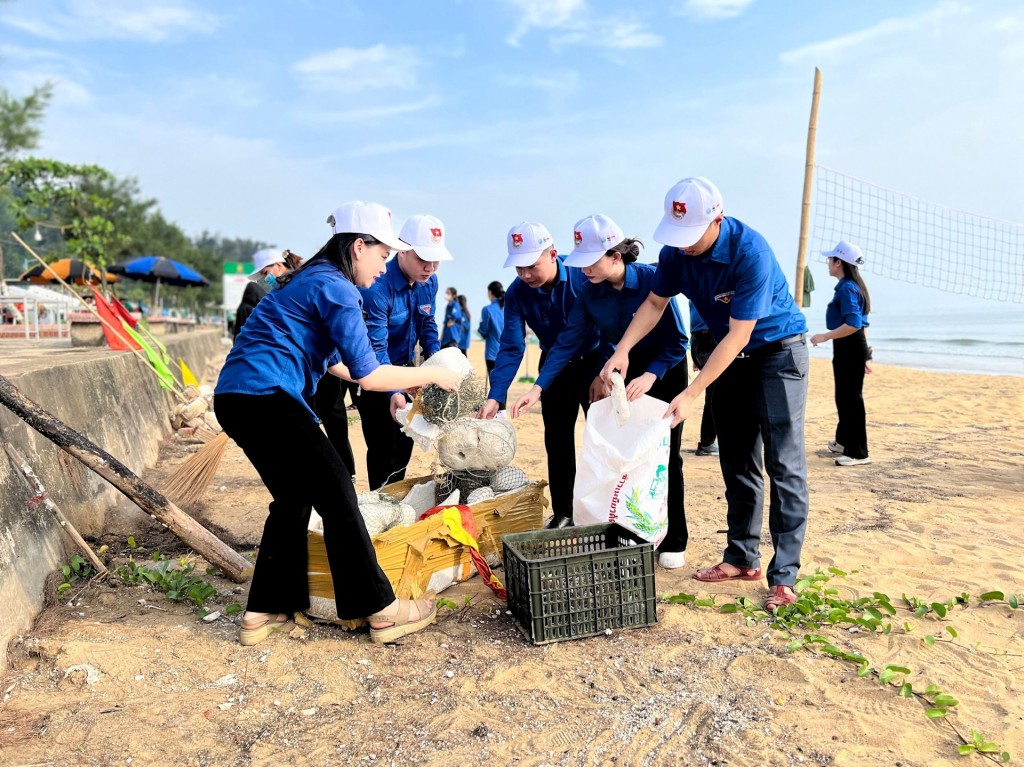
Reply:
x=166, y=377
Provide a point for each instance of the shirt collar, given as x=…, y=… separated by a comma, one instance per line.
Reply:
x=720, y=251
x=396, y=275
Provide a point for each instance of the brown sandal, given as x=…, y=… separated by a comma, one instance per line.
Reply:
x=716, y=574
x=400, y=623
x=250, y=636
x=780, y=596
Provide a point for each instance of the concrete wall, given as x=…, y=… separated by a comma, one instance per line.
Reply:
x=112, y=399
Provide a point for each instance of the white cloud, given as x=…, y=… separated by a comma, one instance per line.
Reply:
x=715, y=10
x=571, y=23
x=542, y=14
x=151, y=21
x=609, y=33
x=350, y=70
x=371, y=113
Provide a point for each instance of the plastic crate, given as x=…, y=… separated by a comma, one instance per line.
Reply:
x=579, y=581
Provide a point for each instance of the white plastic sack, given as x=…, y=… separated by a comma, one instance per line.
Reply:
x=622, y=473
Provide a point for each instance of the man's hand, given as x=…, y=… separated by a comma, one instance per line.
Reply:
x=639, y=386
x=599, y=389
x=680, y=408
x=489, y=410
x=819, y=338
x=619, y=361
x=398, y=401
x=526, y=401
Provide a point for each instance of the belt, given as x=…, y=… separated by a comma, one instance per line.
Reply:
x=772, y=347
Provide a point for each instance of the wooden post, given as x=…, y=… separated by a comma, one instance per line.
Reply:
x=805, y=210
x=205, y=543
x=41, y=496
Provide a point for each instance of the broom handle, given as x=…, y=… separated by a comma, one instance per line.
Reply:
x=117, y=331
x=41, y=495
x=205, y=543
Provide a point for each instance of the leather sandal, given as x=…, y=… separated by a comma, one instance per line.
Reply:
x=716, y=574
x=781, y=595
x=250, y=636
x=400, y=623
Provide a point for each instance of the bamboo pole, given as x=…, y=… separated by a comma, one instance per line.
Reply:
x=805, y=210
x=119, y=332
x=205, y=543
x=41, y=496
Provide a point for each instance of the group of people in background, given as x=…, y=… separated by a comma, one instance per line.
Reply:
x=348, y=314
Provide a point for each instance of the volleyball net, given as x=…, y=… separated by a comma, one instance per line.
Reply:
x=916, y=241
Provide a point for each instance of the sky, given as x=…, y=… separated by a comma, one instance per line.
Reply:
x=256, y=119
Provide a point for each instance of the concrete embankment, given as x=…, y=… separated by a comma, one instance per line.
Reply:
x=109, y=397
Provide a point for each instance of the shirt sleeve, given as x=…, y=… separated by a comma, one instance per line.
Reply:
x=341, y=311
x=429, y=342
x=850, y=306
x=752, y=299
x=485, y=318
x=376, y=308
x=569, y=342
x=510, y=354
x=666, y=277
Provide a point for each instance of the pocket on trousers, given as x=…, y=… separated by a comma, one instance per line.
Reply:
x=793, y=362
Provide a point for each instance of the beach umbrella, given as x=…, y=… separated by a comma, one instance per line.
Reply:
x=67, y=269
x=160, y=270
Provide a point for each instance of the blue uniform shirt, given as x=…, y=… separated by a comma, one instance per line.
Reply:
x=453, y=334
x=846, y=307
x=291, y=337
x=547, y=313
x=697, y=322
x=737, y=278
x=467, y=333
x=398, y=315
x=492, y=322
x=611, y=311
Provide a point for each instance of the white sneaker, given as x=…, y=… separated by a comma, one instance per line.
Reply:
x=672, y=560
x=845, y=460
x=835, y=447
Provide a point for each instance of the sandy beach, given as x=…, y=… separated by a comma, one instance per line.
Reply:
x=124, y=676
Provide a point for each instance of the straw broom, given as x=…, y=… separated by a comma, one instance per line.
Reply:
x=188, y=483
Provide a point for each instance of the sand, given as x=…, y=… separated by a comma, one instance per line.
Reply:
x=124, y=676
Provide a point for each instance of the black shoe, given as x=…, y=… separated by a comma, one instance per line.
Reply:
x=711, y=449
x=557, y=523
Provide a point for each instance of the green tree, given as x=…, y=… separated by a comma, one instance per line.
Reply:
x=20, y=121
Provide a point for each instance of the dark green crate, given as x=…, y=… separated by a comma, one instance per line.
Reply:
x=579, y=581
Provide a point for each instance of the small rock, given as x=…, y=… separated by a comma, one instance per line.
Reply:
x=449, y=674
x=226, y=681
x=608, y=632
x=224, y=706
x=480, y=731
x=309, y=711
x=139, y=677
x=212, y=616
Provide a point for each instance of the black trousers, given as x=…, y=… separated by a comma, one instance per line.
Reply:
x=490, y=370
x=848, y=357
x=666, y=389
x=561, y=403
x=329, y=404
x=388, y=450
x=301, y=469
x=702, y=344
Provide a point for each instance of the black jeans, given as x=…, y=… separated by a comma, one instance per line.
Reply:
x=666, y=389
x=388, y=450
x=560, y=405
x=301, y=470
x=329, y=404
x=848, y=357
x=490, y=370
x=702, y=344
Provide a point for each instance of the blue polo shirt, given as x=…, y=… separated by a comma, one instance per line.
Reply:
x=467, y=333
x=398, y=315
x=738, y=277
x=453, y=334
x=846, y=307
x=547, y=313
x=292, y=335
x=611, y=311
x=697, y=322
x=492, y=322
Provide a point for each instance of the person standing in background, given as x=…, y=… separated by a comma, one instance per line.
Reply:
x=492, y=322
x=702, y=344
x=847, y=320
x=250, y=297
x=467, y=328
x=399, y=312
x=451, y=335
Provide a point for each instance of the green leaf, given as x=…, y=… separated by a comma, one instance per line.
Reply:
x=906, y=690
x=795, y=645
x=873, y=613
x=1005, y=756
x=897, y=669
x=232, y=609
x=939, y=608
x=921, y=611
x=929, y=640
x=965, y=749
x=989, y=596
x=202, y=613
x=951, y=631
x=864, y=670
x=935, y=713
x=802, y=584
x=681, y=599
x=989, y=748
x=704, y=602
x=837, y=571
x=732, y=607
x=977, y=737
x=931, y=690
x=946, y=701
x=906, y=627
x=63, y=587
x=886, y=676
x=1013, y=601
x=131, y=542
x=66, y=570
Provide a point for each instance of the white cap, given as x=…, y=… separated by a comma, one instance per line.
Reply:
x=261, y=259
x=525, y=244
x=594, y=236
x=425, y=235
x=844, y=251
x=367, y=218
x=690, y=207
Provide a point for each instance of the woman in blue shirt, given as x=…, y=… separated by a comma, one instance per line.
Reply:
x=452, y=333
x=467, y=327
x=847, y=319
x=618, y=286
x=492, y=322
x=282, y=352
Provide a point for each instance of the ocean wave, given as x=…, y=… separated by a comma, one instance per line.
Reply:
x=948, y=341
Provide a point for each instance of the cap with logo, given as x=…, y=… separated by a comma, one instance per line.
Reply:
x=690, y=208
x=845, y=251
x=261, y=259
x=594, y=236
x=525, y=243
x=368, y=218
x=425, y=235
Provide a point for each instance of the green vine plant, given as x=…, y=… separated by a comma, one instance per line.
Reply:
x=819, y=604
x=77, y=569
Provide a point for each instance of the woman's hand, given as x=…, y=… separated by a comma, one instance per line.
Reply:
x=448, y=380
x=619, y=361
x=599, y=390
x=819, y=338
x=489, y=409
x=639, y=386
x=398, y=401
x=526, y=402
x=680, y=408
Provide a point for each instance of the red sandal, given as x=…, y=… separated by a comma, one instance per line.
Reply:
x=716, y=574
x=781, y=595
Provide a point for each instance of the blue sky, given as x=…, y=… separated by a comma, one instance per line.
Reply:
x=257, y=119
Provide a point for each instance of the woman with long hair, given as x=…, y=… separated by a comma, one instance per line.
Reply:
x=492, y=322
x=847, y=320
x=467, y=328
x=300, y=332
x=451, y=335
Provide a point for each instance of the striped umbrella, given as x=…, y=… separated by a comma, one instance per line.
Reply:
x=68, y=269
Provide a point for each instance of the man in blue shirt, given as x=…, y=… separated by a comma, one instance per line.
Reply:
x=542, y=297
x=759, y=367
x=399, y=312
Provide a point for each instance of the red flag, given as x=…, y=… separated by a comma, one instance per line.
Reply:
x=123, y=313
x=117, y=339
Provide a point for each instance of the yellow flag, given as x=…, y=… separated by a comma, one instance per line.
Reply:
x=187, y=377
